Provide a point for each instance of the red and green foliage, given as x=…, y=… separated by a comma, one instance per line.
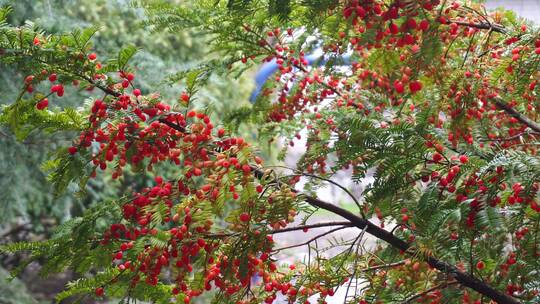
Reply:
x=438, y=107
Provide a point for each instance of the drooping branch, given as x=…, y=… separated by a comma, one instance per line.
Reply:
x=514, y=113
x=463, y=278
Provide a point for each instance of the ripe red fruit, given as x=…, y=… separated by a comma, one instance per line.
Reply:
x=221, y=132
x=99, y=291
x=58, y=89
x=480, y=265
x=394, y=29
x=92, y=56
x=184, y=97
x=29, y=79
x=437, y=157
x=415, y=86
x=246, y=169
x=137, y=92
x=411, y=23
x=72, y=150
x=424, y=25
x=463, y=159
x=398, y=86
x=42, y=104
x=244, y=217
x=52, y=77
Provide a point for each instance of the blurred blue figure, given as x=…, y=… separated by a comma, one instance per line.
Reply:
x=269, y=68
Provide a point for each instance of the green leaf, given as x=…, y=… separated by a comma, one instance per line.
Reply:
x=125, y=55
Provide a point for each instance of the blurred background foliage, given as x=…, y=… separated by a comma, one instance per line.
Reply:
x=29, y=209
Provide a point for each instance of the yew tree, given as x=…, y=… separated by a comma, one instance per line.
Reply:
x=432, y=104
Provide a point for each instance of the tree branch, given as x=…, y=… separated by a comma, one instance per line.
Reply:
x=440, y=286
x=318, y=225
x=463, y=278
x=520, y=117
x=312, y=239
x=483, y=26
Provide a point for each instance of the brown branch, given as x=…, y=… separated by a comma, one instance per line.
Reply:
x=483, y=26
x=419, y=295
x=318, y=225
x=520, y=117
x=463, y=278
x=344, y=224
x=384, y=266
x=312, y=239
x=511, y=138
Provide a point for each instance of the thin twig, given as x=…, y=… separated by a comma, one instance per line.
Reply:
x=419, y=295
x=312, y=239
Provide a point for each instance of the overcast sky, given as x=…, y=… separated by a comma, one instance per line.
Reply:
x=529, y=9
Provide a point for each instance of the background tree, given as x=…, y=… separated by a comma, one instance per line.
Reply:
x=439, y=108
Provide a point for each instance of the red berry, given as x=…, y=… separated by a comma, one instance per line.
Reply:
x=58, y=89
x=99, y=291
x=29, y=79
x=424, y=25
x=415, y=86
x=463, y=159
x=398, y=86
x=437, y=157
x=184, y=97
x=92, y=56
x=221, y=132
x=137, y=92
x=42, y=104
x=245, y=217
x=72, y=150
x=52, y=77
x=480, y=265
